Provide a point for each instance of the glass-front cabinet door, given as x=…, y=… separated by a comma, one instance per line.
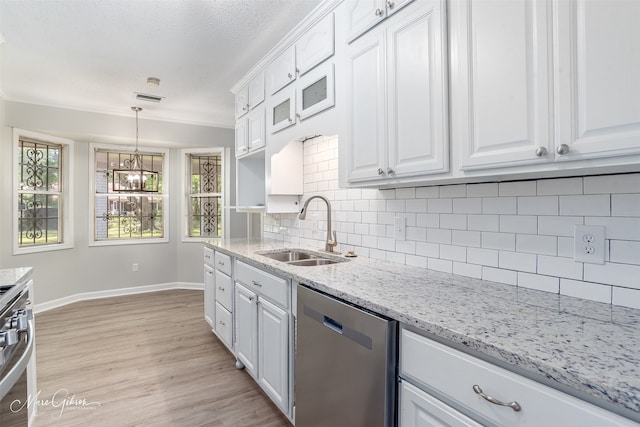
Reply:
x=282, y=110
x=315, y=91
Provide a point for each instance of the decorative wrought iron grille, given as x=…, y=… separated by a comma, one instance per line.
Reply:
x=39, y=193
x=205, y=207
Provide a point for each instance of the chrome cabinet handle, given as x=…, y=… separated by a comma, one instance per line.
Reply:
x=220, y=262
x=220, y=288
x=290, y=75
x=390, y=171
x=221, y=322
x=380, y=171
x=379, y=12
x=513, y=405
x=562, y=149
x=541, y=152
x=390, y=4
x=256, y=283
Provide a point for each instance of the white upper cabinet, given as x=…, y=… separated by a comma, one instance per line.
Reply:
x=315, y=45
x=250, y=96
x=396, y=112
x=250, y=132
x=364, y=14
x=282, y=71
x=597, y=76
x=501, y=82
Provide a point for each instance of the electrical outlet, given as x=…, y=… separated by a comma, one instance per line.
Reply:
x=589, y=243
x=134, y=267
x=399, y=228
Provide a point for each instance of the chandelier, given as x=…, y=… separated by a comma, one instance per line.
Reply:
x=134, y=177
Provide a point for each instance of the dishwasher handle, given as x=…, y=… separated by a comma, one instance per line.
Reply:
x=332, y=324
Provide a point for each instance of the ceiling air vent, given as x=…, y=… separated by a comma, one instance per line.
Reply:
x=147, y=97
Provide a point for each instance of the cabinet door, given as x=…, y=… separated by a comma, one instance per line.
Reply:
x=315, y=91
x=365, y=110
x=256, y=91
x=273, y=352
x=241, y=137
x=361, y=15
x=419, y=409
x=242, y=102
x=246, y=323
x=209, y=295
x=597, y=68
x=282, y=110
x=500, y=84
x=315, y=45
x=255, y=127
x=281, y=71
x=417, y=91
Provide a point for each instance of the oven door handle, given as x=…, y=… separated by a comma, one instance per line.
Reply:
x=12, y=377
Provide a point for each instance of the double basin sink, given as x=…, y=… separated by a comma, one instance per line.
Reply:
x=302, y=257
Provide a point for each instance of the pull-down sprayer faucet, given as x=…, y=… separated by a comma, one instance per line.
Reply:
x=331, y=235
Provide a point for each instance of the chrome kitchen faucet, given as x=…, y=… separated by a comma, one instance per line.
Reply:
x=331, y=235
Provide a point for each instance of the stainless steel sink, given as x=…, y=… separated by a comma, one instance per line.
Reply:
x=302, y=257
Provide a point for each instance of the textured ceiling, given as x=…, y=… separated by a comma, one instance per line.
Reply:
x=93, y=54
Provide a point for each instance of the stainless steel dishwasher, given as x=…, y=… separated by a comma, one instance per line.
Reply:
x=345, y=364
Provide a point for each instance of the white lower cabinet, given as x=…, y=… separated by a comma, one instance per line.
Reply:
x=419, y=409
x=273, y=352
x=209, y=295
x=246, y=344
x=467, y=384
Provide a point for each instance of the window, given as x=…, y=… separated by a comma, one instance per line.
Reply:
x=122, y=214
x=205, y=202
x=42, y=218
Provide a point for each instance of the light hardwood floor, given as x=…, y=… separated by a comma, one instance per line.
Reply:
x=146, y=360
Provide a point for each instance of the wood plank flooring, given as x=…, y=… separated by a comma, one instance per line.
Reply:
x=146, y=360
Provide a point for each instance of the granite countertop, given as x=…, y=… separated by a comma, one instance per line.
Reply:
x=587, y=348
x=11, y=276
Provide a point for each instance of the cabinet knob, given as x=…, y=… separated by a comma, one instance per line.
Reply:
x=541, y=151
x=297, y=70
x=290, y=120
x=379, y=12
x=290, y=75
x=562, y=149
x=297, y=115
x=390, y=4
x=390, y=171
x=380, y=171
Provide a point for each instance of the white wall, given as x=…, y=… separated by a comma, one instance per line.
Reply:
x=58, y=274
x=519, y=233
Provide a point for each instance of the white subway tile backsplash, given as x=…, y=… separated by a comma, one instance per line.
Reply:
x=520, y=233
x=604, y=184
x=558, y=225
x=499, y=205
x=501, y=276
x=466, y=238
x=586, y=290
x=468, y=270
x=626, y=297
x=439, y=206
x=625, y=275
x=559, y=267
x=625, y=204
x=540, y=205
x=517, y=261
x=535, y=244
x=459, y=190
x=453, y=253
x=453, y=221
x=538, y=282
x=483, y=222
x=503, y=241
x=517, y=188
x=625, y=252
x=559, y=186
x=592, y=205
x=519, y=224
x=488, y=257
x=482, y=190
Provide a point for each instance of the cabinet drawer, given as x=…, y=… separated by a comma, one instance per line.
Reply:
x=223, y=263
x=223, y=324
x=208, y=257
x=451, y=375
x=262, y=283
x=224, y=290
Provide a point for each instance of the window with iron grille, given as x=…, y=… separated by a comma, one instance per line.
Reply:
x=205, y=194
x=123, y=215
x=42, y=199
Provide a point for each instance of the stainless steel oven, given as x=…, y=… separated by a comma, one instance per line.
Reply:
x=16, y=347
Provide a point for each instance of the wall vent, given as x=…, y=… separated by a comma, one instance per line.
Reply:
x=147, y=97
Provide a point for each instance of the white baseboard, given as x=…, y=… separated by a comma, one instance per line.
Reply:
x=39, y=308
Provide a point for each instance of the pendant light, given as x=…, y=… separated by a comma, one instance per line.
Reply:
x=135, y=178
